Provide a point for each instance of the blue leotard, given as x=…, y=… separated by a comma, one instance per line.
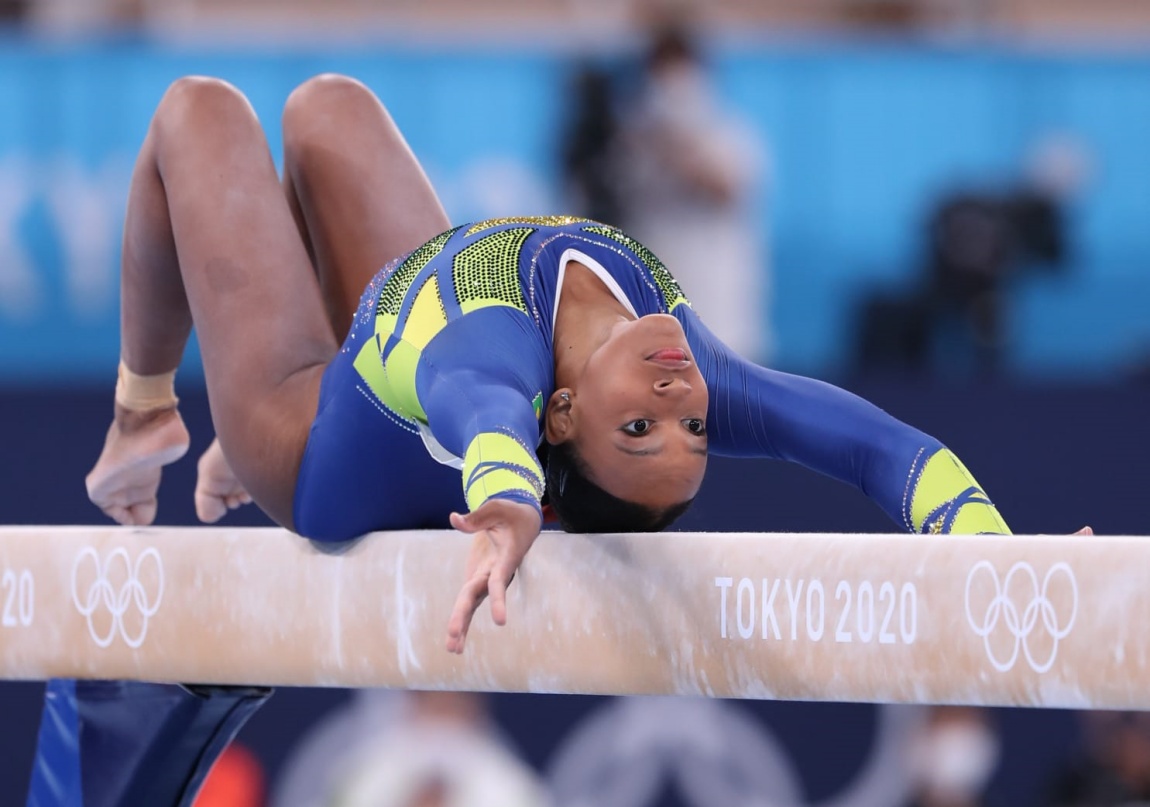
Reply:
x=449, y=364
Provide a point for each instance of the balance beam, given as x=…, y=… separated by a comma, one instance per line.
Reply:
x=1056, y=621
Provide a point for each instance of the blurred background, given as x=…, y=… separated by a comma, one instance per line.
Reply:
x=939, y=204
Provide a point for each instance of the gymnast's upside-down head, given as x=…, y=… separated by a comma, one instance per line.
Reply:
x=627, y=439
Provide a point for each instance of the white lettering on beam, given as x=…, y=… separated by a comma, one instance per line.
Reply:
x=17, y=598
x=856, y=612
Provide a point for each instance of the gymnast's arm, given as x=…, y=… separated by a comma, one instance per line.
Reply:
x=482, y=384
x=493, y=427
x=757, y=412
x=482, y=389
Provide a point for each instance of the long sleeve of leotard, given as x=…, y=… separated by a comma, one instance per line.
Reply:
x=482, y=388
x=757, y=412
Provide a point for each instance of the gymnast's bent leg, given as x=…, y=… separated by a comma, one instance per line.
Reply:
x=359, y=194
x=209, y=238
x=360, y=200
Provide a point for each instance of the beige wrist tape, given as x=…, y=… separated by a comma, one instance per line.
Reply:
x=140, y=393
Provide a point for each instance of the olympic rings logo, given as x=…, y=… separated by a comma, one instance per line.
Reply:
x=1021, y=624
x=102, y=595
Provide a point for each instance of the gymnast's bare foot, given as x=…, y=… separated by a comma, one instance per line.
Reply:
x=127, y=475
x=217, y=489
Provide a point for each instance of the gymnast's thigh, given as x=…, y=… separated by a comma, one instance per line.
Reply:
x=364, y=470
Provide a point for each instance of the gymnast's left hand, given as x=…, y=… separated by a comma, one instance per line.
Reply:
x=504, y=530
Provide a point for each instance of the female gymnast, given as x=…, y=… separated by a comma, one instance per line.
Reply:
x=473, y=347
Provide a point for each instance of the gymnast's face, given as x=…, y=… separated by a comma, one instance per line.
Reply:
x=637, y=414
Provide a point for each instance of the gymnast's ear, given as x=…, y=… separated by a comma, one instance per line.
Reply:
x=558, y=426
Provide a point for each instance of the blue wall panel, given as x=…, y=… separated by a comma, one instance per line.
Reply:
x=862, y=139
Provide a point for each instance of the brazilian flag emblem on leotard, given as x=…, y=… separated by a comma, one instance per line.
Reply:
x=537, y=405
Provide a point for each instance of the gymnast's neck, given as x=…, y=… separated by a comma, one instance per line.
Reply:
x=587, y=312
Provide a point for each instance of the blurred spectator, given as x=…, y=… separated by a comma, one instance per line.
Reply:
x=235, y=780
x=978, y=240
x=408, y=749
x=589, y=148
x=953, y=759
x=1116, y=769
x=689, y=170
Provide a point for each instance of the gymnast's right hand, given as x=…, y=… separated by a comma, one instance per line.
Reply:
x=504, y=530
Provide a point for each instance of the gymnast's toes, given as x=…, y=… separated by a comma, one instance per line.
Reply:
x=217, y=489
x=139, y=514
x=126, y=476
